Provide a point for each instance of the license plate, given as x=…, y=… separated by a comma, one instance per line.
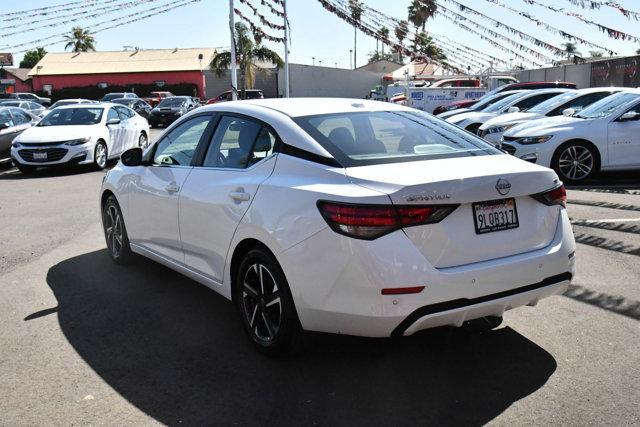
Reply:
x=495, y=215
x=40, y=156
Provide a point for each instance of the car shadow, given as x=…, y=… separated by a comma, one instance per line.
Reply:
x=177, y=351
x=57, y=171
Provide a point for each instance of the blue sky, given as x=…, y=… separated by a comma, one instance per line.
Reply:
x=317, y=33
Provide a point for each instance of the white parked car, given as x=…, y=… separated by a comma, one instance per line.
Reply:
x=522, y=101
x=568, y=103
x=483, y=103
x=343, y=216
x=80, y=134
x=603, y=136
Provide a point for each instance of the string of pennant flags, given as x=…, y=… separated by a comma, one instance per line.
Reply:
x=74, y=17
x=593, y=4
x=263, y=19
x=273, y=9
x=123, y=20
x=551, y=28
x=256, y=29
x=611, y=32
x=45, y=11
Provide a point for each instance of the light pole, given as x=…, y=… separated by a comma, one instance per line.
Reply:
x=314, y=60
x=286, y=49
x=350, y=61
x=234, y=65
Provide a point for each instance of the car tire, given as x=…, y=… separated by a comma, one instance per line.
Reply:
x=26, y=169
x=575, y=161
x=265, y=305
x=143, y=140
x=115, y=232
x=100, y=155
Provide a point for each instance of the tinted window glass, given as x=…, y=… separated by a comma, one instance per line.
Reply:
x=527, y=103
x=232, y=144
x=172, y=102
x=5, y=118
x=72, y=116
x=124, y=113
x=20, y=117
x=497, y=106
x=488, y=100
x=580, y=103
x=113, y=114
x=382, y=137
x=607, y=105
x=178, y=147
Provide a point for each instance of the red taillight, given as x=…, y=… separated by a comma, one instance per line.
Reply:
x=402, y=291
x=557, y=196
x=372, y=221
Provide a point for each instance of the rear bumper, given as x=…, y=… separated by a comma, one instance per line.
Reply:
x=336, y=283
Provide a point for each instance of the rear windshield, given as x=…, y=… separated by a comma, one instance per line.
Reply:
x=356, y=139
x=72, y=116
x=172, y=102
x=110, y=96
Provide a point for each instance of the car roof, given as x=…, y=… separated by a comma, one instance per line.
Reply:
x=297, y=107
x=87, y=105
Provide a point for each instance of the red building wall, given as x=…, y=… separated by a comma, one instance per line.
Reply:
x=124, y=79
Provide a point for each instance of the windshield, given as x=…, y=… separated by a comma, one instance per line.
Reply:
x=488, y=100
x=171, y=102
x=606, y=106
x=551, y=103
x=366, y=138
x=66, y=102
x=497, y=106
x=72, y=117
x=11, y=103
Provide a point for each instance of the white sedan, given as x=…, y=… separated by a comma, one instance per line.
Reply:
x=79, y=134
x=603, y=136
x=568, y=103
x=522, y=101
x=343, y=216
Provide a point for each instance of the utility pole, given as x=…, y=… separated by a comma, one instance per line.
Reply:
x=350, y=61
x=355, y=47
x=314, y=60
x=286, y=49
x=234, y=65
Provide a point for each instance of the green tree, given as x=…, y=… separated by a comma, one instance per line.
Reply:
x=638, y=51
x=80, y=40
x=420, y=11
x=383, y=34
x=425, y=46
x=570, y=49
x=401, y=30
x=596, y=53
x=356, y=8
x=32, y=57
x=249, y=51
x=377, y=56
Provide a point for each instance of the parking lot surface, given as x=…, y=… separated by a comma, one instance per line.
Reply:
x=86, y=341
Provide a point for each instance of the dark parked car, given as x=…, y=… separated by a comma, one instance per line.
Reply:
x=13, y=121
x=171, y=109
x=247, y=94
x=117, y=95
x=136, y=104
x=24, y=96
x=30, y=106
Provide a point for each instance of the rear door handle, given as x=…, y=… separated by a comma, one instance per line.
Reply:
x=240, y=196
x=172, y=188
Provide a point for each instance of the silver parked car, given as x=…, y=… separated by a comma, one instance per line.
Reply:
x=13, y=121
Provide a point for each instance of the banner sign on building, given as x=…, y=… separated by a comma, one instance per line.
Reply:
x=616, y=72
x=6, y=59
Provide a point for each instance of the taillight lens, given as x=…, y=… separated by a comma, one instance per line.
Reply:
x=372, y=221
x=557, y=196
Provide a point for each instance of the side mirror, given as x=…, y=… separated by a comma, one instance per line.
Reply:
x=513, y=110
x=4, y=126
x=629, y=116
x=568, y=112
x=132, y=157
x=113, y=122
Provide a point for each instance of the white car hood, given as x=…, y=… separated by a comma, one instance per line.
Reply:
x=42, y=134
x=509, y=118
x=546, y=125
x=473, y=116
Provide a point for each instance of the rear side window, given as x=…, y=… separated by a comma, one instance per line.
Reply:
x=237, y=144
x=366, y=138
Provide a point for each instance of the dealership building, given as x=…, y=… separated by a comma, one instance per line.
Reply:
x=153, y=67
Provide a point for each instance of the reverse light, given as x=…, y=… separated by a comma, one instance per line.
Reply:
x=78, y=141
x=529, y=140
x=557, y=196
x=369, y=222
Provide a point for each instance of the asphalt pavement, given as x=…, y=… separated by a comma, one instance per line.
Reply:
x=84, y=341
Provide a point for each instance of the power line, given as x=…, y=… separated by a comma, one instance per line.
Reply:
x=43, y=11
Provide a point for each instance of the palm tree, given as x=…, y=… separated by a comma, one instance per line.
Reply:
x=401, y=31
x=638, y=51
x=425, y=46
x=420, y=11
x=570, y=49
x=596, y=53
x=80, y=40
x=357, y=8
x=383, y=34
x=249, y=50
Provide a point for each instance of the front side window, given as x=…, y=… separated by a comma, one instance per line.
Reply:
x=113, y=114
x=580, y=103
x=366, y=138
x=532, y=101
x=233, y=144
x=5, y=118
x=505, y=102
x=124, y=113
x=178, y=147
x=20, y=117
x=72, y=117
